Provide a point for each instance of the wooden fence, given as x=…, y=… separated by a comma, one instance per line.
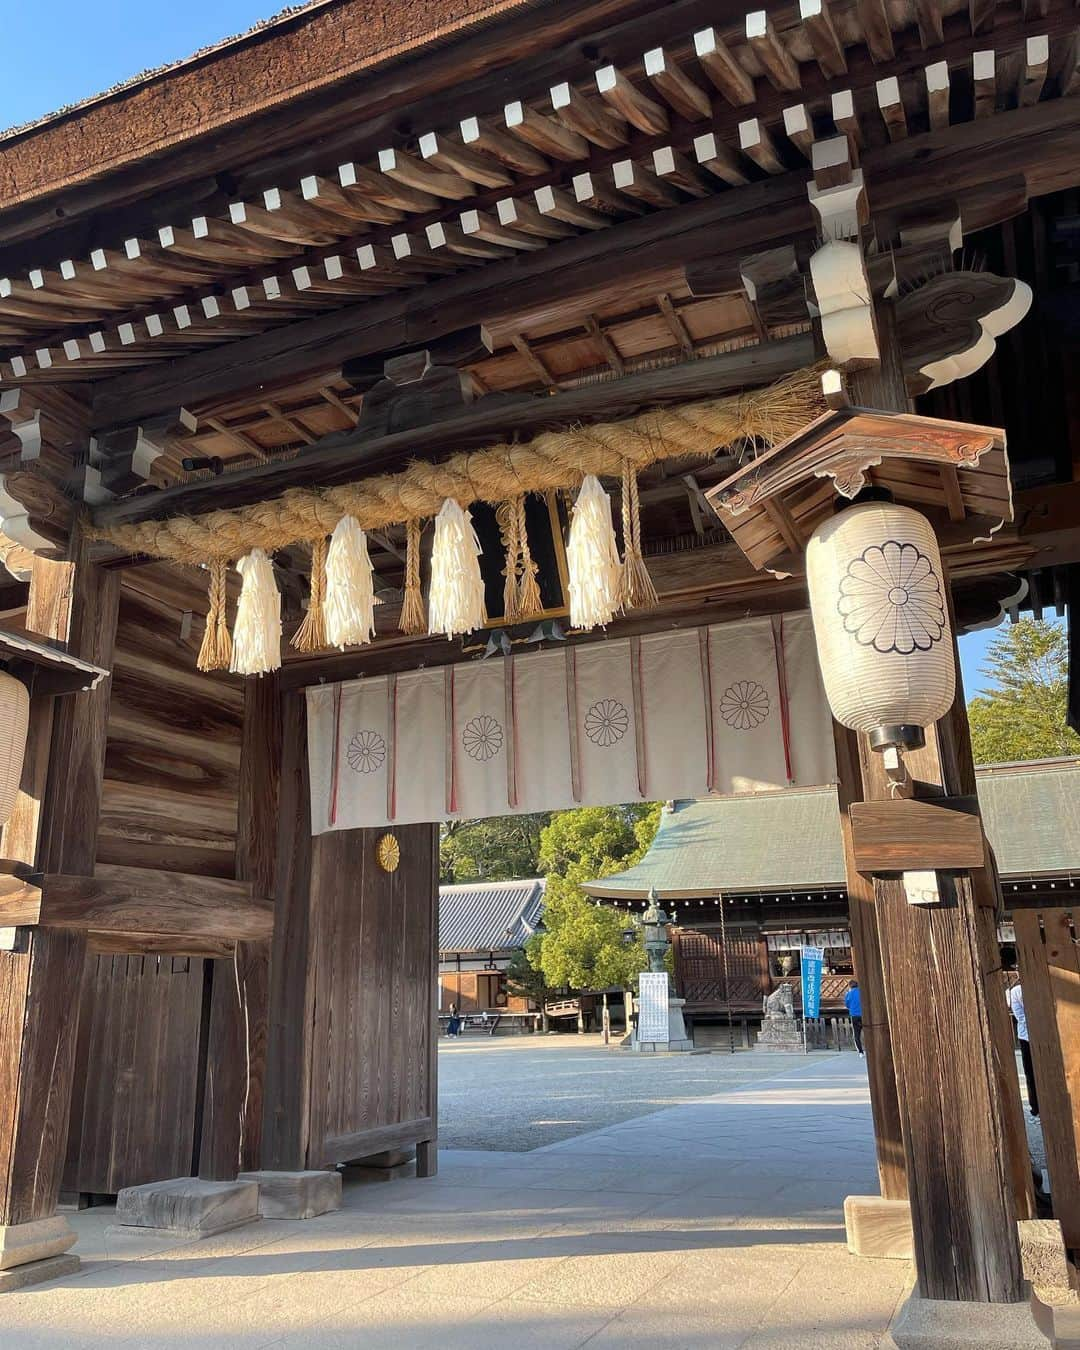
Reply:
x=1048, y=954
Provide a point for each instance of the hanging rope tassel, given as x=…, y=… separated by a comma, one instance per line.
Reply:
x=637, y=590
x=216, y=650
x=257, y=631
x=311, y=635
x=593, y=559
x=530, y=604
x=456, y=604
x=350, y=587
x=507, y=520
x=412, y=620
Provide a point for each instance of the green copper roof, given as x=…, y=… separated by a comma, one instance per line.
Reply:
x=791, y=840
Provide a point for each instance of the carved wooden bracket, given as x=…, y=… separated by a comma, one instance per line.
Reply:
x=948, y=326
x=34, y=513
x=772, y=505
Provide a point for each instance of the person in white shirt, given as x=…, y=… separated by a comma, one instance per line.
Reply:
x=1015, y=997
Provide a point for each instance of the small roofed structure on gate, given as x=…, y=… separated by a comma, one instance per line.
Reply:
x=773, y=863
x=481, y=925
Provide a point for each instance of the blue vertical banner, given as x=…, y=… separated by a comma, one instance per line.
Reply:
x=810, y=970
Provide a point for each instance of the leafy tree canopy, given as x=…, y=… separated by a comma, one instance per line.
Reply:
x=583, y=947
x=499, y=849
x=1022, y=716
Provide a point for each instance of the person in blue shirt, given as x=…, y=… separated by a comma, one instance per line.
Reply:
x=853, y=1003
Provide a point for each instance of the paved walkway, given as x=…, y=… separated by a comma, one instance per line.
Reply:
x=705, y=1226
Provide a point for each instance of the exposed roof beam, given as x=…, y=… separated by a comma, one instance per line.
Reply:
x=344, y=455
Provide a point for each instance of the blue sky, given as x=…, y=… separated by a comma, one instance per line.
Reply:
x=62, y=51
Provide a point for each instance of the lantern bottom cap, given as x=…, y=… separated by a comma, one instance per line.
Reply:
x=901, y=734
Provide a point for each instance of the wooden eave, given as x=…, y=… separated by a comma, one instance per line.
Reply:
x=956, y=473
x=285, y=248
x=47, y=670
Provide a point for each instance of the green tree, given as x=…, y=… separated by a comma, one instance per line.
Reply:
x=583, y=946
x=501, y=848
x=524, y=980
x=1022, y=716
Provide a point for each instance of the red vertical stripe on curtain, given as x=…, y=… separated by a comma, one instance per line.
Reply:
x=781, y=681
x=335, y=758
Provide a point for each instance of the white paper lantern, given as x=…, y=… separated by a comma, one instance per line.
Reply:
x=14, y=716
x=881, y=620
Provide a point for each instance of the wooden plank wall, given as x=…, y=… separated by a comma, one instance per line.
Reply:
x=170, y=802
x=139, y=1037
x=372, y=1073
x=173, y=759
x=1049, y=961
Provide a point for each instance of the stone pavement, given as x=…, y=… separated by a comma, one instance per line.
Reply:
x=704, y=1226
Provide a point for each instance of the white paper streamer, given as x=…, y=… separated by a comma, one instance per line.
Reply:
x=456, y=604
x=257, y=631
x=593, y=559
x=350, y=589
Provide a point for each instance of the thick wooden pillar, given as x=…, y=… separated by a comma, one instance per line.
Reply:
x=945, y=1027
x=53, y=828
x=853, y=786
x=236, y=1051
x=286, y=1100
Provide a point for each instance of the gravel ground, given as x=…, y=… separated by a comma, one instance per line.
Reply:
x=517, y=1093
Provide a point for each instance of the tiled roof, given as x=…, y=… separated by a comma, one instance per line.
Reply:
x=759, y=841
x=791, y=840
x=1032, y=815
x=489, y=915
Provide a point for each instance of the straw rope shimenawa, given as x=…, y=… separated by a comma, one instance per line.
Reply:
x=551, y=460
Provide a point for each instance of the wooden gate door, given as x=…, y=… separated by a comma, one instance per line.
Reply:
x=1047, y=954
x=373, y=1049
x=136, y=1094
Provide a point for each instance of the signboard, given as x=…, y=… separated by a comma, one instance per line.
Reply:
x=810, y=969
x=653, y=1006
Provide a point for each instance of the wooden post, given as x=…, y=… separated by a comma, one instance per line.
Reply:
x=944, y=1025
x=53, y=827
x=286, y=1102
x=854, y=786
x=236, y=1050
x=1050, y=975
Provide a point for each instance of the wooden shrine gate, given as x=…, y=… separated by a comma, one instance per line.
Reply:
x=326, y=278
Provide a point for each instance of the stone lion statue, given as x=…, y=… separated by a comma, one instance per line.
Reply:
x=780, y=1002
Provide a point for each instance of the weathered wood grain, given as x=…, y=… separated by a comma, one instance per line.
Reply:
x=1046, y=954
x=139, y=899
x=237, y=1036
x=288, y=1060
x=372, y=1071
x=858, y=780
x=900, y=835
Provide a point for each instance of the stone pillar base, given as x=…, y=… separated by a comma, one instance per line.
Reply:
x=938, y=1324
x=51, y=1268
x=878, y=1227
x=22, y=1243
x=188, y=1206
x=296, y=1195
x=1060, y=1325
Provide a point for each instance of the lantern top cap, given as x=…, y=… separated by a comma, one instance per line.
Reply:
x=773, y=504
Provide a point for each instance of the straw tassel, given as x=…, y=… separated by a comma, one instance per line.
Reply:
x=311, y=635
x=637, y=590
x=216, y=650
x=257, y=631
x=350, y=586
x=593, y=559
x=457, y=589
x=507, y=518
x=529, y=603
x=412, y=620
